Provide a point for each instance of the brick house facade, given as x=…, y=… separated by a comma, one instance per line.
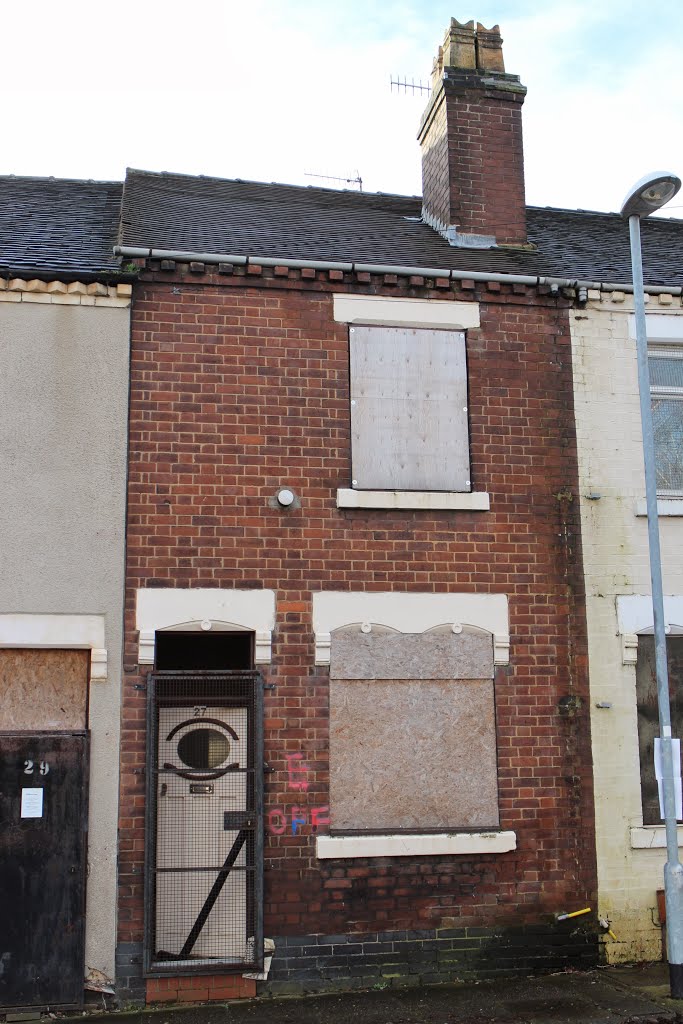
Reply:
x=428, y=805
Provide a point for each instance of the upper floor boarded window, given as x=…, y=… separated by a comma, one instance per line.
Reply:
x=409, y=426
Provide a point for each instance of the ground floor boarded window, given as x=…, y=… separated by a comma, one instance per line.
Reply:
x=412, y=732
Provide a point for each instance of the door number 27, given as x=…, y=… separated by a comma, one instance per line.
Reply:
x=30, y=767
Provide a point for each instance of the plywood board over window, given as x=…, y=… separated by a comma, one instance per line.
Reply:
x=412, y=733
x=43, y=689
x=409, y=427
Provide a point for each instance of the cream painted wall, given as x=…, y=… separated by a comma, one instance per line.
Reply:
x=63, y=432
x=615, y=553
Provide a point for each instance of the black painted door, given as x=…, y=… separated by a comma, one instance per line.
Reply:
x=43, y=830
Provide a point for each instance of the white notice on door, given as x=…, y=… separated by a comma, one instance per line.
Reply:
x=31, y=803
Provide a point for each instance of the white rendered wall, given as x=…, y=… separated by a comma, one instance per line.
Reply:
x=615, y=553
x=63, y=431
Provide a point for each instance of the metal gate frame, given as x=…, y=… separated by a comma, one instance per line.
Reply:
x=243, y=688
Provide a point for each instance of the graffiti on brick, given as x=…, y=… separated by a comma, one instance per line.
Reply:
x=296, y=820
x=280, y=820
x=297, y=772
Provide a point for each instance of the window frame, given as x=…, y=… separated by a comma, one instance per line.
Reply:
x=669, y=349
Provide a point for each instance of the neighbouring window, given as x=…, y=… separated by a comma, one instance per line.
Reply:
x=648, y=716
x=412, y=732
x=666, y=389
x=409, y=425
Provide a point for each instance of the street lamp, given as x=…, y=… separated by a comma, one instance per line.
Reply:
x=646, y=196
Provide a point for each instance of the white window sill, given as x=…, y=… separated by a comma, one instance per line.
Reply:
x=470, y=501
x=665, y=507
x=434, y=845
x=652, y=837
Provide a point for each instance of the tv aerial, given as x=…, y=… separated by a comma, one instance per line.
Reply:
x=335, y=177
x=402, y=85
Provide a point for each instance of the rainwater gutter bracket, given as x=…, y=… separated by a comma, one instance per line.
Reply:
x=182, y=256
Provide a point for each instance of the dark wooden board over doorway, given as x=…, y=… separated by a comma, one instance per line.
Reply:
x=43, y=868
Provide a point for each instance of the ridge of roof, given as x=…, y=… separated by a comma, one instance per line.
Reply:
x=218, y=179
x=267, y=184
x=579, y=212
x=110, y=182
x=40, y=178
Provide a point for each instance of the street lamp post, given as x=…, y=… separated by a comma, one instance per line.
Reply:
x=646, y=196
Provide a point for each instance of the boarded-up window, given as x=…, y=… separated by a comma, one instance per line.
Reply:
x=412, y=732
x=409, y=409
x=43, y=689
x=648, y=714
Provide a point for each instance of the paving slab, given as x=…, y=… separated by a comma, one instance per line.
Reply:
x=634, y=995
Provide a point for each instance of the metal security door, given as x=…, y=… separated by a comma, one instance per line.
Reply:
x=43, y=829
x=206, y=858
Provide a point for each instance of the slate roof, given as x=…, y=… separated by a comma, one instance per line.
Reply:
x=64, y=227
x=58, y=226
x=247, y=218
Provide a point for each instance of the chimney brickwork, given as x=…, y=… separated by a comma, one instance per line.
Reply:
x=471, y=139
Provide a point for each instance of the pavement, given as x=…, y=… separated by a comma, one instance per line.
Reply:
x=608, y=995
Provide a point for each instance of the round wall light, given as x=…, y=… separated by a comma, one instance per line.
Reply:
x=285, y=497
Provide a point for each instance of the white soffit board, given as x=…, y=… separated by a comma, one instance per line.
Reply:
x=339, y=847
x=375, y=309
x=634, y=612
x=659, y=326
x=410, y=613
x=205, y=608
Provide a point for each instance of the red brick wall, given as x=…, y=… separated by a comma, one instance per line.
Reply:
x=199, y=988
x=473, y=160
x=239, y=385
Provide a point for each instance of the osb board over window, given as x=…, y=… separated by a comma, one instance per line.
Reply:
x=386, y=655
x=43, y=689
x=412, y=753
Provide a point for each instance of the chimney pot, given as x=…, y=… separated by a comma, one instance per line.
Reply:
x=459, y=46
x=437, y=68
x=489, y=49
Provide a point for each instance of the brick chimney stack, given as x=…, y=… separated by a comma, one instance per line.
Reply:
x=471, y=140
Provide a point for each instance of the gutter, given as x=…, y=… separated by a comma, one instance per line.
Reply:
x=67, y=274
x=137, y=252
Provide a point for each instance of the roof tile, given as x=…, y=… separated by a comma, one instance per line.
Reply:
x=58, y=226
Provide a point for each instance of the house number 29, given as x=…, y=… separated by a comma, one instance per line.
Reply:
x=29, y=767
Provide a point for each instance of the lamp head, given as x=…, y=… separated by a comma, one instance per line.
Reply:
x=650, y=194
